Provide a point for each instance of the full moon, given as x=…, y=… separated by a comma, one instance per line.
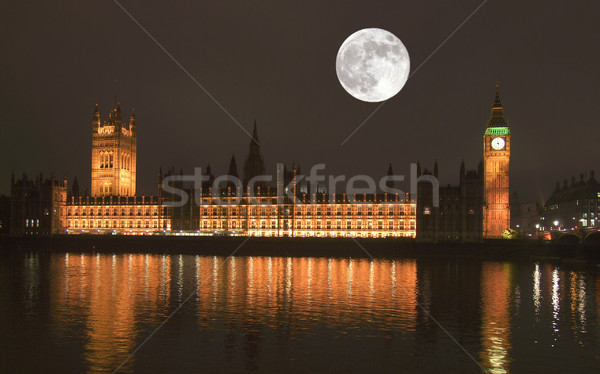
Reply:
x=372, y=65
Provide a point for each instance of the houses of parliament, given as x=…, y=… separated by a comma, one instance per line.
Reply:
x=478, y=208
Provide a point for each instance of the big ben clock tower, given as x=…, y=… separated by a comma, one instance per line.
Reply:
x=496, y=155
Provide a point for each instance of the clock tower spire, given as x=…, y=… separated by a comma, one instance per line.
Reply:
x=496, y=156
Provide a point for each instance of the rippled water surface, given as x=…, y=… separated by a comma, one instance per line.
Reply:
x=76, y=313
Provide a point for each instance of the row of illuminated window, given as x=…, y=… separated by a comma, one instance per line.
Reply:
x=107, y=189
x=339, y=211
x=334, y=234
x=116, y=211
x=308, y=224
x=115, y=224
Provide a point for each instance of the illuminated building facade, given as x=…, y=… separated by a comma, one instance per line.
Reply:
x=118, y=214
x=112, y=206
x=368, y=216
x=496, y=156
x=574, y=206
x=278, y=212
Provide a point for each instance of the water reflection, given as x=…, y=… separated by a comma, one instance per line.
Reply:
x=496, y=290
x=261, y=306
x=105, y=295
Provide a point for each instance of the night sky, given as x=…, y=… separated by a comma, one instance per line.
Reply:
x=274, y=61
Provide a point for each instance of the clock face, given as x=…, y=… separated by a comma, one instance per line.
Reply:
x=498, y=143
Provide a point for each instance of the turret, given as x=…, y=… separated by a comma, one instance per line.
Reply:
x=233, y=167
x=132, y=125
x=114, y=118
x=75, y=188
x=435, y=169
x=96, y=120
x=390, y=183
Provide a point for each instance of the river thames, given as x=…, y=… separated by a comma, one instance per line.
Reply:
x=74, y=313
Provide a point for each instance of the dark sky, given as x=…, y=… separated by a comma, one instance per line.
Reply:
x=275, y=61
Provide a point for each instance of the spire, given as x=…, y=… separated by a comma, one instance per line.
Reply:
x=75, y=188
x=233, y=167
x=497, y=111
x=96, y=118
x=255, y=133
x=116, y=102
x=435, y=169
x=390, y=183
x=114, y=117
x=497, y=101
x=254, y=164
x=132, y=120
x=208, y=183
